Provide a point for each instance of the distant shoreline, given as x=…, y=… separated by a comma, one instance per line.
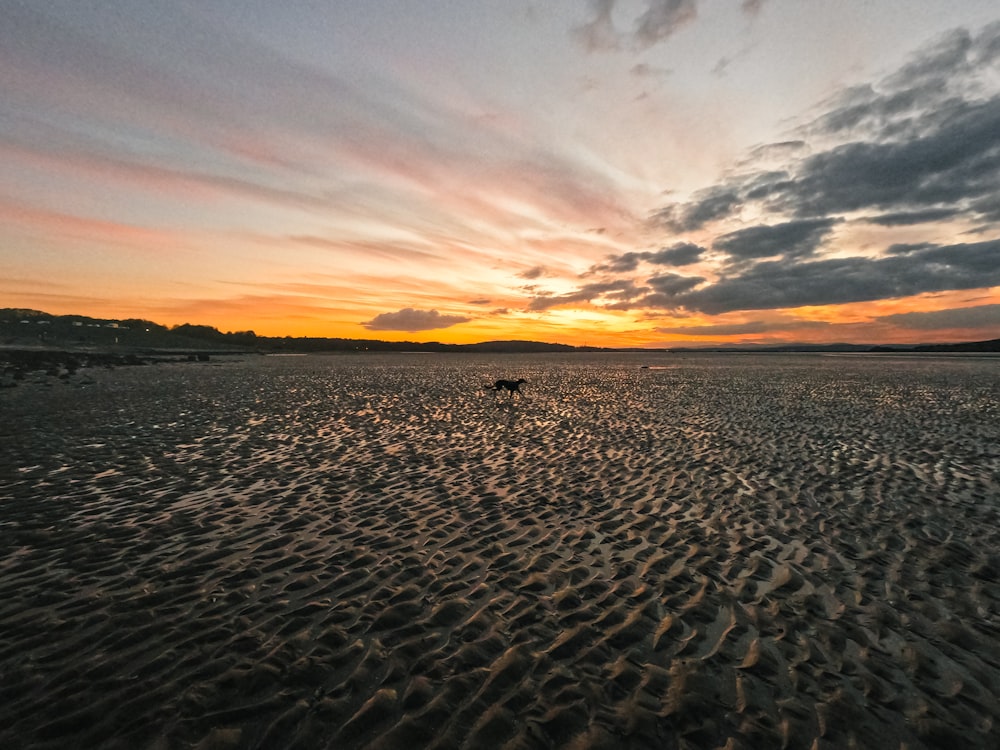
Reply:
x=33, y=329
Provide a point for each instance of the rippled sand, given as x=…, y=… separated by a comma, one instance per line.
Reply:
x=728, y=551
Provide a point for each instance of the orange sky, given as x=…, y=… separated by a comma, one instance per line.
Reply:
x=613, y=174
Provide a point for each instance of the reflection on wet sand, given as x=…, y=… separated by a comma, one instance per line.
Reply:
x=373, y=552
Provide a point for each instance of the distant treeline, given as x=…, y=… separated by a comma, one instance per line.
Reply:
x=23, y=327
x=35, y=327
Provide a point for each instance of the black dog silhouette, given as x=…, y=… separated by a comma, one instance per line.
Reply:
x=511, y=386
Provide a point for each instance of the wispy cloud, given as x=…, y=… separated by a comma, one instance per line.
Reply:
x=658, y=21
x=655, y=23
x=535, y=272
x=233, y=115
x=753, y=7
x=748, y=328
x=613, y=291
x=599, y=32
x=662, y=18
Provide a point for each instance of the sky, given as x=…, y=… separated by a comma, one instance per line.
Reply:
x=640, y=173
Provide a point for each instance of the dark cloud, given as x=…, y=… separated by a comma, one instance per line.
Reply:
x=413, y=320
x=617, y=292
x=981, y=316
x=621, y=263
x=713, y=203
x=680, y=254
x=952, y=167
x=954, y=61
x=917, y=147
x=777, y=284
x=925, y=139
x=907, y=218
x=673, y=284
x=955, y=67
x=956, y=162
x=986, y=208
x=791, y=239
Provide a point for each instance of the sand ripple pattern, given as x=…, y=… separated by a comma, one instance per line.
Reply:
x=370, y=552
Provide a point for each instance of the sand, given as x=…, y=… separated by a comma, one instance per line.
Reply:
x=344, y=552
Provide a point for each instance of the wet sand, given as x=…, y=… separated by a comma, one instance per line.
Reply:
x=346, y=552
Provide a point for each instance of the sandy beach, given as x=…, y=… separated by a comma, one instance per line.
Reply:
x=646, y=551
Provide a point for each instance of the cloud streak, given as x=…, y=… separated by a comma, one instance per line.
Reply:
x=264, y=125
x=748, y=328
x=655, y=23
x=986, y=317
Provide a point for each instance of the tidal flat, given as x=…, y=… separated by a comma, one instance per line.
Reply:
x=645, y=551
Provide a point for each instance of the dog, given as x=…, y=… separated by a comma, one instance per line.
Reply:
x=511, y=386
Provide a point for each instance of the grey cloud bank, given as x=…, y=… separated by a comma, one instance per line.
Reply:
x=918, y=148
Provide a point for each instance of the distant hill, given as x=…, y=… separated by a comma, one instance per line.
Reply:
x=775, y=348
x=993, y=345
x=23, y=328
x=20, y=328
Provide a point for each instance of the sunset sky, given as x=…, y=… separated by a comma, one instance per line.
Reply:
x=609, y=172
